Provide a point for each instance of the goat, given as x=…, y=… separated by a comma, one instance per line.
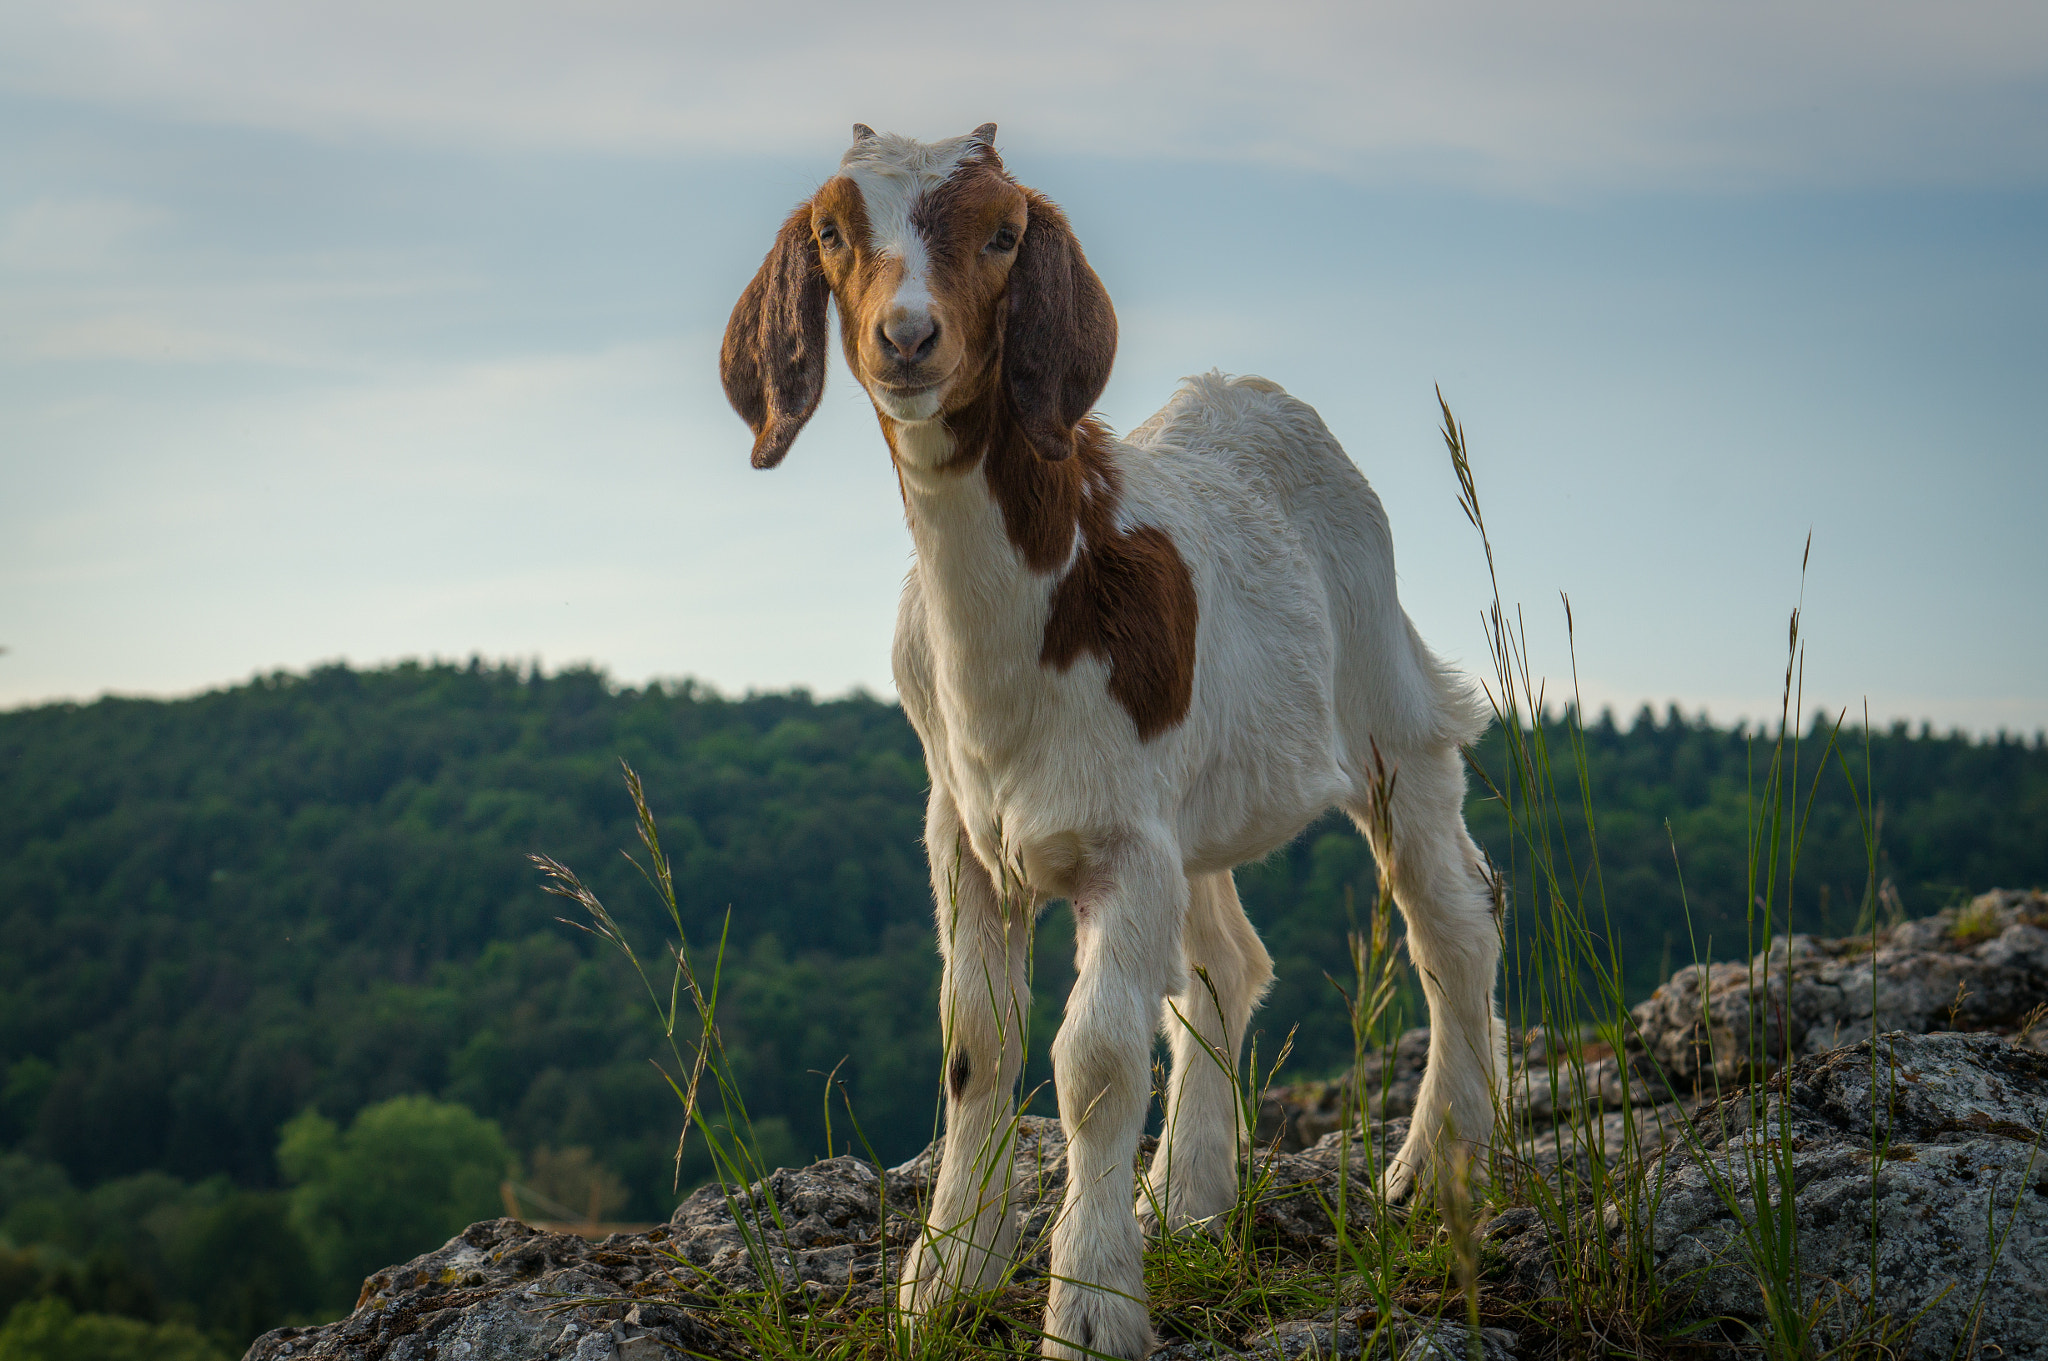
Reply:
x=1134, y=664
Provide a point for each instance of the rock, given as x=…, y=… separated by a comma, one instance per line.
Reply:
x=1960, y=1196
x=1295, y=1117
x=1354, y=1333
x=1960, y=1182
x=1303, y=1195
x=502, y=1290
x=1983, y=966
x=1618, y=1137
x=1566, y=1103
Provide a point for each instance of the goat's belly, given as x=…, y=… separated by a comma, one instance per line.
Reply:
x=1227, y=822
x=1252, y=840
x=1043, y=832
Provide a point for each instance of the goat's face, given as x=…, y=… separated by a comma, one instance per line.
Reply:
x=917, y=243
x=954, y=286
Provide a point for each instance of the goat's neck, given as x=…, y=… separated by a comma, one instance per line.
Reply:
x=982, y=594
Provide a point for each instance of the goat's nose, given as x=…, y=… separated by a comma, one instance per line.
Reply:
x=911, y=336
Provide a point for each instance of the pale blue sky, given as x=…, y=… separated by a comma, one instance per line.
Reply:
x=375, y=331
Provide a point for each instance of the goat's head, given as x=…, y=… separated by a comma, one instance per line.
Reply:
x=955, y=286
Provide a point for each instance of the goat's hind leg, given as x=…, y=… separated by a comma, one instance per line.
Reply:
x=1445, y=893
x=1193, y=1176
x=970, y=1236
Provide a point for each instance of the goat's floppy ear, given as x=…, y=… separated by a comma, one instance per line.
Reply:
x=773, y=359
x=1060, y=340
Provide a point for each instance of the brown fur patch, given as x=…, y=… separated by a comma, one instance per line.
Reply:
x=773, y=360
x=1059, y=340
x=1128, y=598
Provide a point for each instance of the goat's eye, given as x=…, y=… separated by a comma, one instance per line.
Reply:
x=828, y=236
x=1005, y=238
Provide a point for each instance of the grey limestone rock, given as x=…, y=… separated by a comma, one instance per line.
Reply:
x=1935, y=1140
x=1350, y=1334
x=500, y=1291
x=1939, y=1146
x=1956, y=1178
x=1305, y=1194
x=1294, y=1117
x=1711, y=1028
x=1982, y=966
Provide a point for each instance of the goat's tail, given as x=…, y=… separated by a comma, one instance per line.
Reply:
x=1460, y=709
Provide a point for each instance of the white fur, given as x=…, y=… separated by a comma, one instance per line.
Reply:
x=1305, y=666
x=1042, y=789
x=893, y=173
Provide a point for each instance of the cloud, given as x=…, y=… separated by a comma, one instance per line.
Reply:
x=141, y=338
x=72, y=235
x=1599, y=92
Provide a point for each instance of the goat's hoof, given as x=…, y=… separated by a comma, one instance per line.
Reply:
x=1177, y=1221
x=1087, y=1323
x=923, y=1287
x=1396, y=1183
x=930, y=1280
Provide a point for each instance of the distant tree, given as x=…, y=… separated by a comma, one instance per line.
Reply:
x=51, y=1330
x=407, y=1175
x=245, y=1266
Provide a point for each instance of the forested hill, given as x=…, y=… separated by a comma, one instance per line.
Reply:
x=312, y=892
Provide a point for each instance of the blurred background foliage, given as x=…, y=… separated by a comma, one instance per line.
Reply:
x=281, y=1002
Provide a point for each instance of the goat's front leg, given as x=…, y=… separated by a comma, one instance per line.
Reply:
x=1127, y=927
x=970, y=1235
x=1193, y=1176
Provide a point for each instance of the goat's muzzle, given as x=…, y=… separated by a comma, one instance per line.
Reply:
x=908, y=338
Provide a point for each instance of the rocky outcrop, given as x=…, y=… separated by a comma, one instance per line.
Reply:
x=1567, y=1104
x=1952, y=1174
x=1935, y=1141
x=824, y=1234
x=1950, y=1169
x=503, y=1290
x=1353, y=1333
x=1917, y=1167
x=1979, y=967
x=1294, y=1117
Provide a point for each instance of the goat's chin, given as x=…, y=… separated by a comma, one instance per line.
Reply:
x=908, y=407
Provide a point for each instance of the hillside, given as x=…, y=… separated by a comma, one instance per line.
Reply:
x=312, y=893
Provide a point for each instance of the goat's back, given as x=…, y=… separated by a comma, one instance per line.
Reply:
x=1387, y=686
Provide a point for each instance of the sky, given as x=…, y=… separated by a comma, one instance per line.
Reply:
x=372, y=331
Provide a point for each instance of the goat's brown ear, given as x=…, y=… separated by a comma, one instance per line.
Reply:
x=773, y=359
x=1060, y=340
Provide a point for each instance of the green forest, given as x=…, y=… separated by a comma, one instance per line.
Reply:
x=282, y=1001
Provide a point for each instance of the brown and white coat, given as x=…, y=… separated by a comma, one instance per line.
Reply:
x=1134, y=664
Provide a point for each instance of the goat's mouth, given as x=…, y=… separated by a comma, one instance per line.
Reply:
x=907, y=401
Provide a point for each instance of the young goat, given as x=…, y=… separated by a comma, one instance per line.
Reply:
x=1134, y=664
